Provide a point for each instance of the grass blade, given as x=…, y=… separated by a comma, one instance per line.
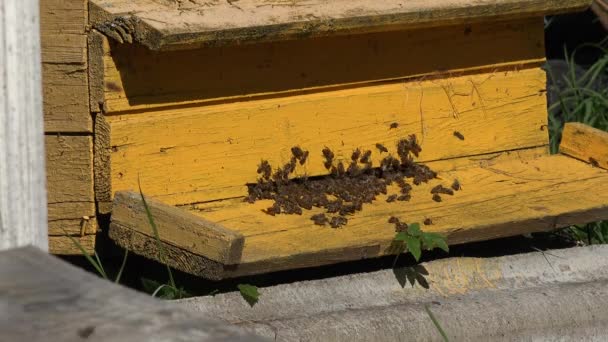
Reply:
x=95, y=264
x=436, y=323
x=161, y=250
x=122, y=266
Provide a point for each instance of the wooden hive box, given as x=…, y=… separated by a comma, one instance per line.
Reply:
x=193, y=95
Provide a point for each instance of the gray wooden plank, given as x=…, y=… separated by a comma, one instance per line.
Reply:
x=45, y=299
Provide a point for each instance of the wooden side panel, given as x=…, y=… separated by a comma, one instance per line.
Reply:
x=62, y=245
x=69, y=162
x=179, y=228
x=64, y=57
x=137, y=78
x=585, y=143
x=193, y=154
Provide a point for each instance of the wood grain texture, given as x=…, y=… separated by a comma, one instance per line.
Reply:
x=137, y=79
x=188, y=25
x=585, y=143
x=63, y=245
x=97, y=44
x=507, y=198
x=179, y=228
x=64, y=57
x=102, y=166
x=23, y=209
x=219, y=147
x=46, y=299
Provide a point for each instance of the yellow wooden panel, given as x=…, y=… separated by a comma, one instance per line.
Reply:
x=137, y=78
x=62, y=245
x=193, y=154
x=585, y=143
x=504, y=199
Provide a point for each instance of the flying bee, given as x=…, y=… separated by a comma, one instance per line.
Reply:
x=355, y=155
x=394, y=125
x=365, y=157
x=381, y=148
x=458, y=135
x=436, y=198
x=428, y=221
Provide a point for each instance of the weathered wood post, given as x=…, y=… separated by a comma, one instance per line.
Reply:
x=23, y=209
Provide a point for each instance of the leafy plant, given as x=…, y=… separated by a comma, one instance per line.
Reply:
x=415, y=240
x=250, y=293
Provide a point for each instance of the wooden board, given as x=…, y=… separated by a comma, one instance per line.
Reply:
x=62, y=245
x=178, y=227
x=71, y=206
x=137, y=79
x=66, y=303
x=585, y=143
x=193, y=154
x=191, y=24
x=506, y=198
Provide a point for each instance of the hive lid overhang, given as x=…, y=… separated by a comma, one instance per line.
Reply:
x=176, y=24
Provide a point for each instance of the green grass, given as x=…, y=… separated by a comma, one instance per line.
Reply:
x=581, y=99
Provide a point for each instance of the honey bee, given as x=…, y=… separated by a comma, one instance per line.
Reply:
x=329, y=157
x=594, y=162
x=436, y=198
x=355, y=155
x=393, y=219
x=304, y=158
x=365, y=157
x=264, y=169
x=338, y=221
x=458, y=135
x=406, y=197
x=428, y=221
x=456, y=185
x=394, y=125
x=440, y=189
x=341, y=170
x=319, y=219
x=274, y=210
x=391, y=198
x=381, y=148
x=297, y=152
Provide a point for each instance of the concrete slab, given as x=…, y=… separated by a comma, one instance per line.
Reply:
x=556, y=295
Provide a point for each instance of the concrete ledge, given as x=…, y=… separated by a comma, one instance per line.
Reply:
x=554, y=296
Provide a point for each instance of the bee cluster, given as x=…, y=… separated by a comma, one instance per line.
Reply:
x=347, y=187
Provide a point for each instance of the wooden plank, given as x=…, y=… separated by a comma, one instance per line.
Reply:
x=219, y=147
x=65, y=95
x=62, y=245
x=585, y=143
x=63, y=16
x=507, y=198
x=81, y=226
x=64, y=48
x=188, y=25
x=178, y=228
x=22, y=191
x=67, y=303
x=97, y=44
x=136, y=78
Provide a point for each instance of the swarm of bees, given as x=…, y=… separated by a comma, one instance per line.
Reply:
x=347, y=187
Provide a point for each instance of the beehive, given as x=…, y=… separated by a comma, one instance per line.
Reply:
x=188, y=98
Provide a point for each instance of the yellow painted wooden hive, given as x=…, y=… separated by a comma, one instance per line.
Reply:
x=191, y=97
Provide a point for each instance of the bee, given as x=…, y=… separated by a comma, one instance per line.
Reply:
x=353, y=169
x=319, y=219
x=355, y=155
x=400, y=227
x=428, y=221
x=391, y=198
x=436, y=198
x=341, y=170
x=338, y=221
x=347, y=209
x=440, y=189
x=458, y=135
x=274, y=210
x=328, y=154
x=297, y=152
x=264, y=169
x=365, y=157
x=406, y=197
x=456, y=185
x=381, y=148
x=393, y=219
x=594, y=162
x=334, y=206
x=394, y=125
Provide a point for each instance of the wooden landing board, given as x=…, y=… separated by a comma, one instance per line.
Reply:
x=186, y=155
x=506, y=198
x=585, y=143
x=135, y=79
x=191, y=24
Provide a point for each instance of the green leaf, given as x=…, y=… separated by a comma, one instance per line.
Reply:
x=249, y=293
x=434, y=240
x=413, y=229
x=413, y=246
x=401, y=236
